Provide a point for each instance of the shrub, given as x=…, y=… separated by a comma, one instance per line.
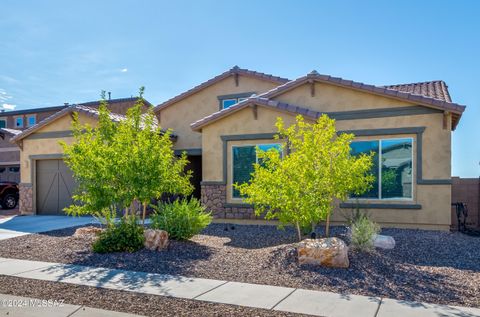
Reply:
x=125, y=236
x=182, y=219
x=363, y=232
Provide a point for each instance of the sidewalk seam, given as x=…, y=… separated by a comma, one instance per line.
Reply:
x=378, y=308
x=75, y=311
x=284, y=298
x=225, y=282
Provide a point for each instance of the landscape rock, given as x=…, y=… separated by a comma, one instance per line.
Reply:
x=383, y=242
x=155, y=239
x=329, y=252
x=87, y=231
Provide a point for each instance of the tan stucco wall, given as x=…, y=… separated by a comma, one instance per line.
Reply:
x=330, y=98
x=180, y=115
x=436, y=150
x=46, y=146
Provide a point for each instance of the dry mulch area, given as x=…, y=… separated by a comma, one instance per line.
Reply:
x=133, y=303
x=427, y=266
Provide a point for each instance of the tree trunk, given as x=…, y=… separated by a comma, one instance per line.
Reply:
x=144, y=212
x=299, y=232
x=327, y=226
x=126, y=213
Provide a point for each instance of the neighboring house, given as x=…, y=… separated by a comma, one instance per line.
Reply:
x=11, y=124
x=46, y=184
x=221, y=121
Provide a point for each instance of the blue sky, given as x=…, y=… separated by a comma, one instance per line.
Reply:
x=53, y=52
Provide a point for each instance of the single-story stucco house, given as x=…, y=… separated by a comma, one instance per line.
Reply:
x=220, y=122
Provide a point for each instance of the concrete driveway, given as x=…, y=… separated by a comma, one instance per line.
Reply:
x=21, y=225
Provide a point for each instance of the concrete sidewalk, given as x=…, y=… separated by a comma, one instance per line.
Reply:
x=277, y=298
x=14, y=306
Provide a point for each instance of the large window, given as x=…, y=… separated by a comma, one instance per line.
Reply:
x=243, y=158
x=392, y=167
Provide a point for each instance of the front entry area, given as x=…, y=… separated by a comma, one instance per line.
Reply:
x=54, y=187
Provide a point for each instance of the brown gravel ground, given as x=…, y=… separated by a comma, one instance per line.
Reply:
x=134, y=303
x=427, y=266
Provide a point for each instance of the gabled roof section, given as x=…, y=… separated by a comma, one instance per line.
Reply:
x=89, y=111
x=408, y=94
x=436, y=89
x=276, y=105
x=233, y=71
x=314, y=76
x=96, y=103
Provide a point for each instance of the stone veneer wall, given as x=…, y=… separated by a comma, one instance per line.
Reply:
x=214, y=198
x=25, y=198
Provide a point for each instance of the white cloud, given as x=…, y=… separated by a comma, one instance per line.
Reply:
x=7, y=106
x=124, y=70
x=4, y=96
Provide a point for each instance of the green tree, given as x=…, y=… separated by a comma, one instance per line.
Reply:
x=118, y=163
x=317, y=168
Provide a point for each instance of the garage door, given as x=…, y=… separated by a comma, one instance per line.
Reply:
x=54, y=187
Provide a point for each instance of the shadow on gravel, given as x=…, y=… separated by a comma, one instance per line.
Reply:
x=251, y=236
x=179, y=258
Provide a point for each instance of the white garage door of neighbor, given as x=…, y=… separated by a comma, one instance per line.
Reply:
x=54, y=186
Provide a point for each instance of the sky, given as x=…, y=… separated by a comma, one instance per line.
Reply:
x=52, y=52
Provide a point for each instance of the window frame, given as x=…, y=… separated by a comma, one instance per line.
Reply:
x=256, y=161
x=23, y=122
x=380, y=171
x=229, y=99
x=4, y=120
x=34, y=119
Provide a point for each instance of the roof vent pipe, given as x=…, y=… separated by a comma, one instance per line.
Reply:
x=109, y=95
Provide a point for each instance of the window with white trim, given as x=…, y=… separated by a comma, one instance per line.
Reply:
x=243, y=158
x=392, y=167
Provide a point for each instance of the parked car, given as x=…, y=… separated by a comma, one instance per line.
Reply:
x=8, y=195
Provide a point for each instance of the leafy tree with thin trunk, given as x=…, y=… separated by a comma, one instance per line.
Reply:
x=316, y=169
x=119, y=163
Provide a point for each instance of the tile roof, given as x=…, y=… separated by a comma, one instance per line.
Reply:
x=11, y=131
x=436, y=89
x=234, y=70
x=278, y=105
x=379, y=90
x=93, y=112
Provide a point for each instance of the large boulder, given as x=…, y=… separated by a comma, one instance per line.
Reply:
x=155, y=239
x=329, y=252
x=383, y=242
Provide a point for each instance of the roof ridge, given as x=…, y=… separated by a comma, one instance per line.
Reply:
x=232, y=71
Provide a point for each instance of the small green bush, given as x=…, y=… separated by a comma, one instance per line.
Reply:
x=182, y=219
x=125, y=236
x=363, y=232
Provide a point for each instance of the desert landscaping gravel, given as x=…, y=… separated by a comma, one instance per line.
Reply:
x=134, y=303
x=426, y=266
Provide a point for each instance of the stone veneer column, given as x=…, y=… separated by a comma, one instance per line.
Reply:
x=214, y=198
x=25, y=198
